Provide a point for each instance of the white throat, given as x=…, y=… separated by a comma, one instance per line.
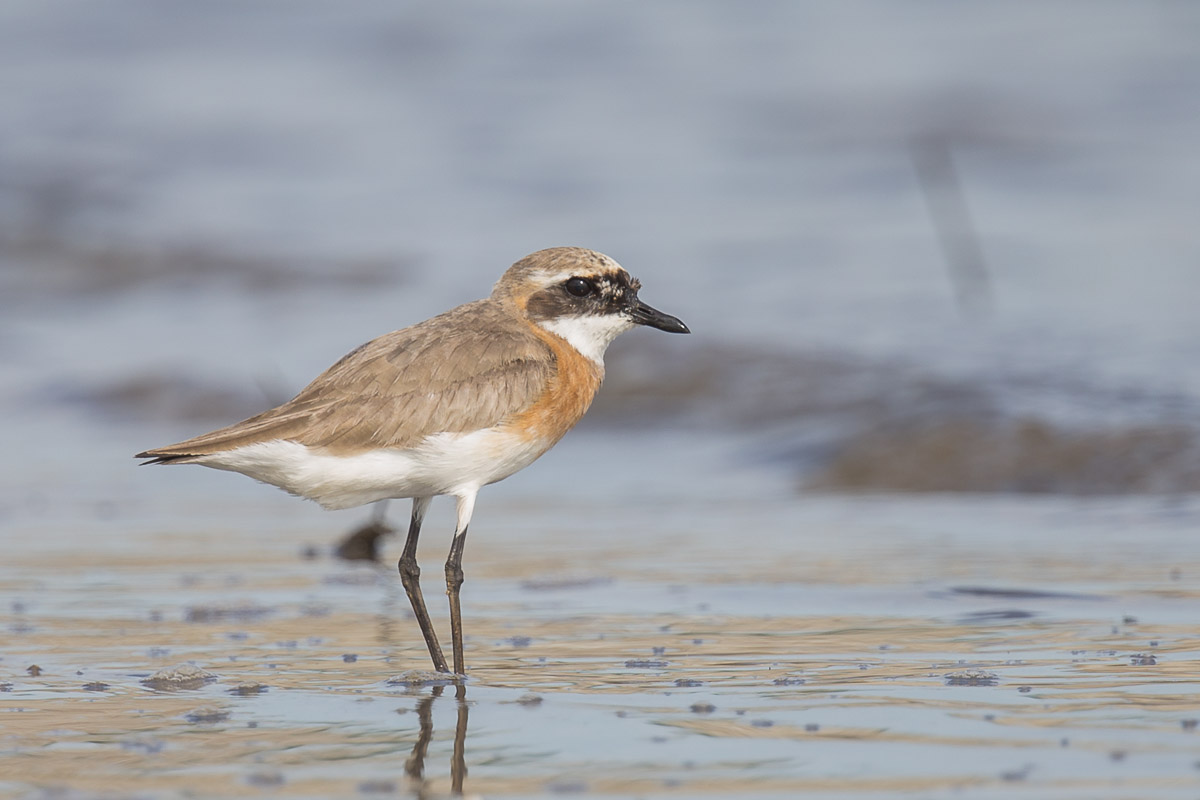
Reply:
x=590, y=334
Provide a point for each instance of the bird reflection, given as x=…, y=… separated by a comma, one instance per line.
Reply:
x=414, y=766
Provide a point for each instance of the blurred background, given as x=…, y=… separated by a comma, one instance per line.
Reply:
x=923, y=247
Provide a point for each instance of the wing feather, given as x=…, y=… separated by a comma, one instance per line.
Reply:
x=469, y=368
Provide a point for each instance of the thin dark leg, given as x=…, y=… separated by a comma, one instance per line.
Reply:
x=410, y=578
x=454, y=582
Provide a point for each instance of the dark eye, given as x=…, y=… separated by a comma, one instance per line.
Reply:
x=579, y=287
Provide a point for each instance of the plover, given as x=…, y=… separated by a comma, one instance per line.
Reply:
x=443, y=407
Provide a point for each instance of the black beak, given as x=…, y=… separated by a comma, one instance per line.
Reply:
x=643, y=314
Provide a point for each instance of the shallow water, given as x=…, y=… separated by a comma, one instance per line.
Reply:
x=754, y=646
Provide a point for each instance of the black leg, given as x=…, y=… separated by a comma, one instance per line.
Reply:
x=410, y=578
x=454, y=582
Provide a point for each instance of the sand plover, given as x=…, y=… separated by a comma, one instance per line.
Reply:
x=443, y=407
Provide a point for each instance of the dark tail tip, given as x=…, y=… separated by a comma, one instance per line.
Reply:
x=158, y=459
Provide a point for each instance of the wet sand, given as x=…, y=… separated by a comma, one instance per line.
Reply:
x=870, y=647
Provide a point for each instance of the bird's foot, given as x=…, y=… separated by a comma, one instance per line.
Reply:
x=419, y=678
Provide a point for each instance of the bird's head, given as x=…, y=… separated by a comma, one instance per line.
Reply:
x=583, y=296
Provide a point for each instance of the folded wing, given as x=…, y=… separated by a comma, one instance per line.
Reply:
x=470, y=368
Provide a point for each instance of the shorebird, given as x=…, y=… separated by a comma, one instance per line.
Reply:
x=443, y=407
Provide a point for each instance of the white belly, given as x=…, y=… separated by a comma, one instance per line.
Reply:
x=445, y=463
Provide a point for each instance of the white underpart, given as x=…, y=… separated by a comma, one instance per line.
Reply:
x=590, y=334
x=445, y=463
x=463, y=511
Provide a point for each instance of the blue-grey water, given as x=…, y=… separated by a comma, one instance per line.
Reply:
x=202, y=205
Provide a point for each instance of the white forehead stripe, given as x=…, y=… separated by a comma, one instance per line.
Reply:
x=608, y=267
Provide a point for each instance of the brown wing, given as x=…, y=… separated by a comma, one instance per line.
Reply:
x=469, y=368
